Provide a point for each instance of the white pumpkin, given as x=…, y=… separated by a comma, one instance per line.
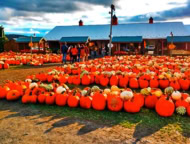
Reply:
x=60, y=90
x=126, y=95
x=176, y=95
x=33, y=85
x=28, y=80
x=84, y=92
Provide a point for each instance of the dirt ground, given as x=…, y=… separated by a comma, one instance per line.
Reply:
x=19, y=124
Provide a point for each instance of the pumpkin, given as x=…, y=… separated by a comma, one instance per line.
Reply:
x=73, y=101
x=126, y=95
x=115, y=88
x=181, y=102
x=184, y=83
x=3, y=92
x=76, y=80
x=107, y=91
x=132, y=106
x=98, y=101
x=33, y=85
x=181, y=110
x=154, y=83
x=50, y=99
x=165, y=107
x=143, y=83
x=163, y=83
x=61, y=99
x=114, y=103
x=168, y=91
x=133, y=83
x=13, y=95
x=176, y=95
x=85, y=102
x=86, y=79
x=104, y=81
x=60, y=90
x=42, y=98
x=113, y=80
x=175, y=85
x=123, y=81
x=150, y=101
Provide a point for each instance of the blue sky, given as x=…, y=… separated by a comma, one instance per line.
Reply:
x=39, y=16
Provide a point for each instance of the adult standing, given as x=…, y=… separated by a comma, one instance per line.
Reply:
x=74, y=52
x=106, y=49
x=64, y=50
x=70, y=53
x=82, y=53
x=87, y=51
x=79, y=49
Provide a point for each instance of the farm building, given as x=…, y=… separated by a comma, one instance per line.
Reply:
x=38, y=44
x=11, y=44
x=155, y=36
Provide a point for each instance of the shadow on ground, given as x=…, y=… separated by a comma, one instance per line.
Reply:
x=145, y=123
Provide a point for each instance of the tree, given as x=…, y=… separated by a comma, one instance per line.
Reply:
x=3, y=38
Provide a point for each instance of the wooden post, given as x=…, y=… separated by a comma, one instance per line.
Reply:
x=162, y=47
x=186, y=47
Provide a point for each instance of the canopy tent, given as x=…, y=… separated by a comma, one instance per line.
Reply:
x=127, y=39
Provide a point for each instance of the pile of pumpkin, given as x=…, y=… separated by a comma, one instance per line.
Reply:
x=114, y=99
x=123, y=72
x=12, y=58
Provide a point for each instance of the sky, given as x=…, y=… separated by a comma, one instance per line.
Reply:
x=40, y=16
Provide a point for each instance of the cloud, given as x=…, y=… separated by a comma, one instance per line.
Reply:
x=175, y=13
x=59, y=6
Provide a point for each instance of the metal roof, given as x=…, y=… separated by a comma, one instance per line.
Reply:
x=187, y=27
x=101, y=32
x=127, y=39
x=28, y=39
x=179, y=39
x=81, y=39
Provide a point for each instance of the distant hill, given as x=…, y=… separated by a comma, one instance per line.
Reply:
x=12, y=36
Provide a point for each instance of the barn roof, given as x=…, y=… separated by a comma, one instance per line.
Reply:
x=187, y=27
x=28, y=39
x=78, y=39
x=101, y=32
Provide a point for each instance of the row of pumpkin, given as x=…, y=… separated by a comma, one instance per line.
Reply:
x=12, y=58
x=115, y=99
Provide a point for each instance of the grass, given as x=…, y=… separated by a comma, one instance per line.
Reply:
x=144, y=120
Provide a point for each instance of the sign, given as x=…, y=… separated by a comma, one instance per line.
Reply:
x=30, y=44
x=109, y=45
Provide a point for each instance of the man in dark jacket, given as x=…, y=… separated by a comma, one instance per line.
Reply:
x=64, y=50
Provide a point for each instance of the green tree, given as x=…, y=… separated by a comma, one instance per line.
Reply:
x=3, y=38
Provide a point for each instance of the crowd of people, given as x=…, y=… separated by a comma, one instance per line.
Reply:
x=81, y=52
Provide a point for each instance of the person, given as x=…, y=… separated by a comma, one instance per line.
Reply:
x=79, y=49
x=64, y=50
x=82, y=53
x=87, y=51
x=74, y=52
x=103, y=51
x=69, y=53
x=95, y=51
x=106, y=49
